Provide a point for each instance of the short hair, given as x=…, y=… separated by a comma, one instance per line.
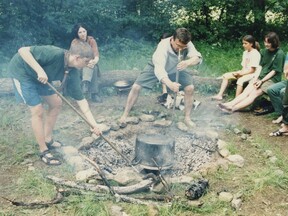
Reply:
x=81, y=48
x=273, y=38
x=183, y=35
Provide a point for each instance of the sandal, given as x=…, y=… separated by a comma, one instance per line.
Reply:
x=278, y=133
x=53, y=144
x=49, y=159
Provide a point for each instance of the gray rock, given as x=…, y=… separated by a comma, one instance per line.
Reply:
x=243, y=137
x=237, y=131
x=236, y=204
x=162, y=123
x=69, y=151
x=85, y=174
x=224, y=152
x=114, y=126
x=236, y=160
x=132, y=120
x=225, y=196
x=221, y=144
x=126, y=175
x=268, y=154
x=273, y=159
x=76, y=162
x=147, y=118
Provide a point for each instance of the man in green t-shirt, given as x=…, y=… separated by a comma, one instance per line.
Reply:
x=31, y=68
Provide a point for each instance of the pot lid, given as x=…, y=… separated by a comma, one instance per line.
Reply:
x=122, y=84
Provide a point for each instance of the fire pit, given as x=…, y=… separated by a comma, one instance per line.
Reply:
x=154, y=151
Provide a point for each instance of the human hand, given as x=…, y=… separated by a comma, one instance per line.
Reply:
x=96, y=131
x=42, y=77
x=258, y=83
x=174, y=86
x=182, y=65
x=236, y=74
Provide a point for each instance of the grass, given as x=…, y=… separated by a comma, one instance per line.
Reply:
x=17, y=140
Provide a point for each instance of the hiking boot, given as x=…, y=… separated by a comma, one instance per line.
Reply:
x=96, y=98
x=85, y=86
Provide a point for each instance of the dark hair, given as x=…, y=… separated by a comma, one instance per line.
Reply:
x=183, y=35
x=164, y=35
x=250, y=39
x=76, y=28
x=273, y=38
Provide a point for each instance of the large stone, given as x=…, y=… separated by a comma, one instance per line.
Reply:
x=225, y=196
x=85, y=174
x=224, y=152
x=236, y=204
x=132, y=120
x=147, y=118
x=162, y=123
x=221, y=144
x=126, y=175
x=236, y=160
x=76, y=162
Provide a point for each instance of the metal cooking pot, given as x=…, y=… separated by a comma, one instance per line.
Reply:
x=122, y=84
x=157, y=147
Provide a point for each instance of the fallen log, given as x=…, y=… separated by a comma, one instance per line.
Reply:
x=58, y=198
x=136, y=188
x=110, y=77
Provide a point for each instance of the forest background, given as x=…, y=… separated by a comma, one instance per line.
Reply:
x=133, y=27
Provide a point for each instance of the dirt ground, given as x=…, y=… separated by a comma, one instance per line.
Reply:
x=207, y=115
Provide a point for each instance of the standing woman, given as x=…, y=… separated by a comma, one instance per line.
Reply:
x=91, y=73
x=250, y=67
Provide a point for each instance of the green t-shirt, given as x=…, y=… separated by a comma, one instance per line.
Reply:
x=51, y=59
x=272, y=61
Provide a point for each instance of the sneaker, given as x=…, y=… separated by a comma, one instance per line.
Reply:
x=85, y=86
x=162, y=98
x=196, y=103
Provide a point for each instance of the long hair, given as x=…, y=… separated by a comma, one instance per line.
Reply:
x=76, y=28
x=250, y=39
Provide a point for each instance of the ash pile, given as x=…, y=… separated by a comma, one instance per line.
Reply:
x=189, y=153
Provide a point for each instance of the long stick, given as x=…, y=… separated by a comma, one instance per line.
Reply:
x=84, y=118
x=177, y=80
x=100, y=172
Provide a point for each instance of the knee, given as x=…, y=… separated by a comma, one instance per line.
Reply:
x=136, y=88
x=189, y=89
x=37, y=112
x=56, y=105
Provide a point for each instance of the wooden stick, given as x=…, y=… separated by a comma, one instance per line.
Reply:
x=84, y=118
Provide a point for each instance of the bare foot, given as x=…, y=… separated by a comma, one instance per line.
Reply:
x=225, y=109
x=122, y=122
x=278, y=120
x=189, y=123
x=217, y=97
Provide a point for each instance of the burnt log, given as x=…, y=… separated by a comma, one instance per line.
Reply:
x=110, y=77
x=136, y=188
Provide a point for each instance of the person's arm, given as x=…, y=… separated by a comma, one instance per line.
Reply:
x=92, y=42
x=258, y=83
x=193, y=57
x=84, y=106
x=27, y=56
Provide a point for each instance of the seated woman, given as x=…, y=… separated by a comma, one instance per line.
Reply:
x=250, y=67
x=91, y=73
x=272, y=62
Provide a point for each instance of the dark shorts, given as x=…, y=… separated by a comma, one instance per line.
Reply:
x=147, y=78
x=30, y=92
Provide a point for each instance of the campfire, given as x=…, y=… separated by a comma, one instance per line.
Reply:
x=176, y=153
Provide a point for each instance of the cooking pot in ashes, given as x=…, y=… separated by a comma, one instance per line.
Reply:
x=154, y=146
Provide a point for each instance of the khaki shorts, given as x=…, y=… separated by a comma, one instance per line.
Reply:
x=147, y=78
x=265, y=85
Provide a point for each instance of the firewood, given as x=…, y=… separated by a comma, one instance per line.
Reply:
x=136, y=188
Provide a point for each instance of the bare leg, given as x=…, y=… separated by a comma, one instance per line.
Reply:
x=248, y=100
x=55, y=103
x=240, y=97
x=188, y=100
x=223, y=87
x=164, y=88
x=239, y=90
x=278, y=120
x=131, y=100
x=37, y=122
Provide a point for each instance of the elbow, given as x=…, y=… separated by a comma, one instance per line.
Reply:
x=23, y=50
